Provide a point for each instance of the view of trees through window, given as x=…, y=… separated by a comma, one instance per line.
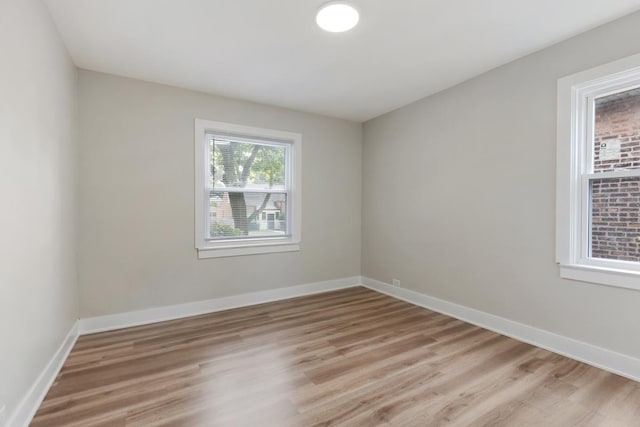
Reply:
x=247, y=189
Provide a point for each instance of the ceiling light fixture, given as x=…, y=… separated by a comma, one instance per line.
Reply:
x=337, y=17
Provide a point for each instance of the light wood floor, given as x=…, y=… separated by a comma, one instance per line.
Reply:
x=350, y=358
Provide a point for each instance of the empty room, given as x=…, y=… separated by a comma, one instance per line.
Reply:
x=310, y=213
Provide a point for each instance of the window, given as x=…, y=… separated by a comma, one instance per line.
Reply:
x=247, y=190
x=598, y=187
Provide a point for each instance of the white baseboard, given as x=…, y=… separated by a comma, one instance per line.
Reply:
x=611, y=361
x=160, y=314
x=26, y=409
x=617, y=363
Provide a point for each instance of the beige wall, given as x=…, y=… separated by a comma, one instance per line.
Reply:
x=459, y=191
x=458, y=197
x=137, y=204
x=38, y=294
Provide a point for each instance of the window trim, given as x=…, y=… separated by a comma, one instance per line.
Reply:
x=575, y=93
x=236, y=247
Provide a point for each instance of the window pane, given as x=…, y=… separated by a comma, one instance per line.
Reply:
x=615, y=218
x=245, y=165
x=247, y=215
x=617, y=131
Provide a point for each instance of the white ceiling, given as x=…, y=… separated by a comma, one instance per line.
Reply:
x=271, y=51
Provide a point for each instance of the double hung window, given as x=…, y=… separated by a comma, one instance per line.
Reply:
x=598, y=190
x=247, y=190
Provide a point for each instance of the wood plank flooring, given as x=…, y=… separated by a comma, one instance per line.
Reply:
x=347, y=358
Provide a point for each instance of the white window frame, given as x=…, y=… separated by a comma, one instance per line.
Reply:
x=576, y=95
x=235, y=247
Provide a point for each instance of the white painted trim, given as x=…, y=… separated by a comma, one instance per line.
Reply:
x=575, y=97
x=160, y=314
x=627, y=279
x=599, y=357
x=247, y=250
x=617, y=363
x=26, y=409
x=28, y=406
x=213, y=249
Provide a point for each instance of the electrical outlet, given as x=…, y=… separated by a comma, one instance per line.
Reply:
x=396, y=282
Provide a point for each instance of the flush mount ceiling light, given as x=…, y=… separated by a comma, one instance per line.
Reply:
x=337, y=17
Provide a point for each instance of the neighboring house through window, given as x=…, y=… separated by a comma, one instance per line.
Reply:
x=247, y=189
x=598, y=188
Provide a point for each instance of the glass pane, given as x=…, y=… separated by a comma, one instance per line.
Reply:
x=247, y=215
x=617, y=131
x=246, y=165
x=615, y=218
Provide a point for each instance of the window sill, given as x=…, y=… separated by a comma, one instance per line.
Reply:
x=234, y=249
x=627, y=279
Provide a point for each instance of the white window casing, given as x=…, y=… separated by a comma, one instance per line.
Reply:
x=221, y=247
x=575, y=132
